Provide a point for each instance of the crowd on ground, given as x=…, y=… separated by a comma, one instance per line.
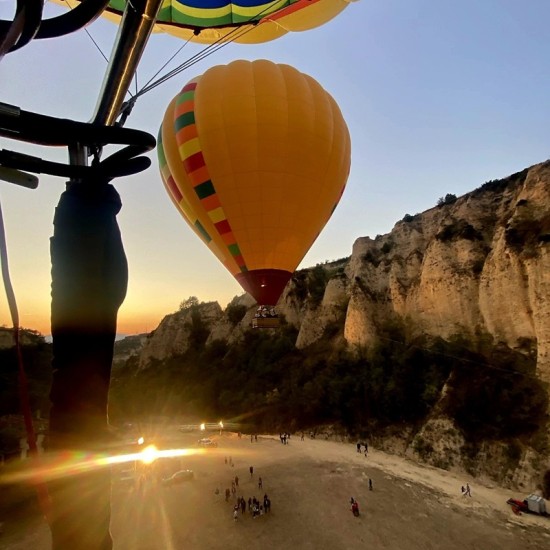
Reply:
x=255, y=506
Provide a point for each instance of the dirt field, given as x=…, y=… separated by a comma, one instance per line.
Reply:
x=309, y=483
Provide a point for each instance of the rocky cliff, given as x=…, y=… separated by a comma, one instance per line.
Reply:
x=477, y=266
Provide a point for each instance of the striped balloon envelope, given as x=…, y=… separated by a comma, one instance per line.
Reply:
x=243, y=21
x=255, y=155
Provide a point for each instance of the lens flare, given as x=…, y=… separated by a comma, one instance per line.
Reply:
x=149, y=454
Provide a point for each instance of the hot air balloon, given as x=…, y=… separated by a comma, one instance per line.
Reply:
x=244, y=21
x=255, y=155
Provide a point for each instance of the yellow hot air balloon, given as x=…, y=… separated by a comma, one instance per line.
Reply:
x=255, y=155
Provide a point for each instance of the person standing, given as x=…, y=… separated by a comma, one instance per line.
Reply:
x=260, y=485
x=236, y=481
x=370, y=484
x=251, y=470
x=467, y=492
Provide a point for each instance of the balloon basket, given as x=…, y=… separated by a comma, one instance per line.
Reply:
x=265, y=322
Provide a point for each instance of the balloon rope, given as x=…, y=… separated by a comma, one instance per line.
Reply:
x=41, y=488
x=164, y=66
x=209, y=50
x=72, y=7
x=231, y=36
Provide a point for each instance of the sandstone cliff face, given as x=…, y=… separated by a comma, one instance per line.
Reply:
x=172, y=337
x=477, y=265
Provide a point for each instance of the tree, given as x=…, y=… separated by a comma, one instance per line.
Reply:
x=449, y=198
x=192, y=301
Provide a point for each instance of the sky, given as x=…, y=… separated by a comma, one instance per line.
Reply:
x=439, y=96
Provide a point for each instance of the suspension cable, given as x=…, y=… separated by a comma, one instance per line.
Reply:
x=221, y=42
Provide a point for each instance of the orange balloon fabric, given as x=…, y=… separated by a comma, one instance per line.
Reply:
x=256, y=156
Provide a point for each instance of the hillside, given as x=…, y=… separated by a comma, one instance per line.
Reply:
x=433, y=338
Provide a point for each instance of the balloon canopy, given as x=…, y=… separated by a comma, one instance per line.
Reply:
x=255, y=155
x=244, y=21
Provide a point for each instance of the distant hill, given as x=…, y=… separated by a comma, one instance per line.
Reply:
x=26, y=336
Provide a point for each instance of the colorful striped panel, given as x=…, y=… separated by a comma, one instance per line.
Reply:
x=212, y=13
x=195, y=167
x=175, y=192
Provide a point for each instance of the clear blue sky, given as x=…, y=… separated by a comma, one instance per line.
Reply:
x=440, y=96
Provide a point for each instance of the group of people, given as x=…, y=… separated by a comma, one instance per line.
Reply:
x=255, y=507
x=264, y=312
x=365, y=445
x=229, y=461
x=285, y=438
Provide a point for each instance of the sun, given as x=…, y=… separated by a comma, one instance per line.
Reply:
x=149, y=454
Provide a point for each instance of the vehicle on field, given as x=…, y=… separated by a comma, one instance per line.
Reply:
x=181, y=476
x=533, y=504
x=206, y=442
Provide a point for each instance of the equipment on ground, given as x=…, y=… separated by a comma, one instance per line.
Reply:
x=533, y=504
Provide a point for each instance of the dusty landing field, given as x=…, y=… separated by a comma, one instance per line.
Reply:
x=310, y=483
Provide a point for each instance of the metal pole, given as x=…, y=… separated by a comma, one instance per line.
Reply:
x=134, y=31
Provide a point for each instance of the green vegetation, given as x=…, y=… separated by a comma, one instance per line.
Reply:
x=37, y=358
x=449, y=198
x=235, y=313
x=190, y=302
x=527, y=233
x=309, y=285
x=496, y=395
x=492, y=392
x=264, y=381
x=498, y=186
x=459, y=229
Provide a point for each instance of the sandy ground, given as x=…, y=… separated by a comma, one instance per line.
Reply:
x=411, y=507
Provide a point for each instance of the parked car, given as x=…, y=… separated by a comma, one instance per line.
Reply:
x=205, y=442
x=180, y=476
